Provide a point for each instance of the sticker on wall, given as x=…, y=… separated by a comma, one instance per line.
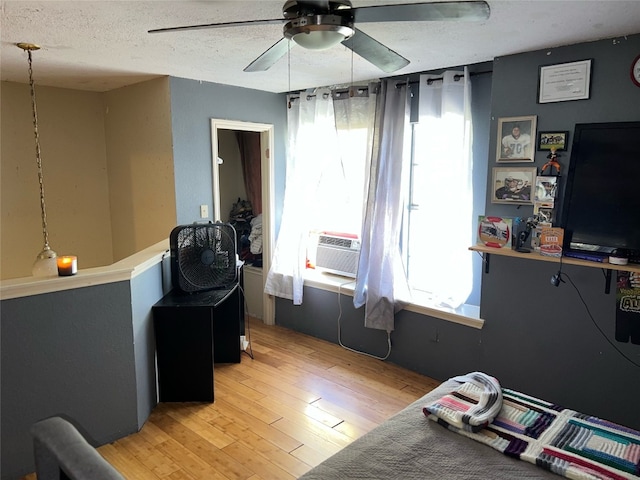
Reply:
x=628, y=307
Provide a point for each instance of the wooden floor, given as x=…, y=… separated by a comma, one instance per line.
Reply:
x=297, y=402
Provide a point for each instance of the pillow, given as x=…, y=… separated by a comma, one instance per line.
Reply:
x=471, y=406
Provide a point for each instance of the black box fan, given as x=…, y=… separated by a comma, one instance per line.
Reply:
x=203, y=257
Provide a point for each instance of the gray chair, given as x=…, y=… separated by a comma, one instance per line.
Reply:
x=62, y=453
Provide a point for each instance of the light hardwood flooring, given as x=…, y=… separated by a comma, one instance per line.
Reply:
x=297, y=402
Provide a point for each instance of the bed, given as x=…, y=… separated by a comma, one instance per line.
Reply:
x=440, y=442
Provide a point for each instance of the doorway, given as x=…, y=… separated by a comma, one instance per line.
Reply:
x=219, y=130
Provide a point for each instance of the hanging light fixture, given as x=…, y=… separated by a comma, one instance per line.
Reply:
x=319, y=32
x=45, y=263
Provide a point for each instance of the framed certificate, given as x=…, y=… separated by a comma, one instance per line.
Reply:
x=565, y=81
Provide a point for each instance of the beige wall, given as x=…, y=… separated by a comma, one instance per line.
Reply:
x=72, y=139
x=108, y=173
x=140, y=160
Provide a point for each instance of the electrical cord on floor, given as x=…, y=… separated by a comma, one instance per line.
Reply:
x=594, y=322
x=247, y=326
x=339, y=333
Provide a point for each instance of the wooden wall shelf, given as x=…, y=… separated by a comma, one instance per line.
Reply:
x=508, y=252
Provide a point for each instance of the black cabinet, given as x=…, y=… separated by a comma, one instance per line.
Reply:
x=194, y=331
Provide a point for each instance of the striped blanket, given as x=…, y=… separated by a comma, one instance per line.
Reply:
x=563, y=441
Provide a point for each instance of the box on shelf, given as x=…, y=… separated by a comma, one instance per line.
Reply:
x=551, y=241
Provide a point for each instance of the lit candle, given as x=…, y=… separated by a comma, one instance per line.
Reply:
x=67, y=265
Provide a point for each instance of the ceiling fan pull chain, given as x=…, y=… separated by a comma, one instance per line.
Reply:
x=289, y=70
x=351, y=89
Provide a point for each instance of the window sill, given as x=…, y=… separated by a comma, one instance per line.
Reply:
x=468, y=315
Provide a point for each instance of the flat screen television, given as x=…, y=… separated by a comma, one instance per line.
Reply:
x=601, y=205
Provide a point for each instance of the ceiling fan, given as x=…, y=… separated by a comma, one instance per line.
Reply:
x=322, y=24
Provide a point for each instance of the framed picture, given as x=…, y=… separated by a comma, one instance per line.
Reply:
x=544, y=214
x=495, y=232
x=564, y=82
x=515, y=139
x=546, y=190
x=549, y=140
x=513, y=185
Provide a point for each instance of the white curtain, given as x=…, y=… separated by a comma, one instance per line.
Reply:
x=444, y=196
x=312, y=142
x=318, y=177
x=381, y=281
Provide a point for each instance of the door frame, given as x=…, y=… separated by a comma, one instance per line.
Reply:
x=268, y=203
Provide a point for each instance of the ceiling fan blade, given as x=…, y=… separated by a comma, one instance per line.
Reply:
x=218, y=25
x=419, y=12
x=269, y=57
x=375, y=52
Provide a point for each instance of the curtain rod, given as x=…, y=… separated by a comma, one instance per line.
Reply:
x=456, y=77
x=338, y=93
x=364, y=90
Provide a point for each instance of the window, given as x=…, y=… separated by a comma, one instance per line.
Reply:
x=341, y=185
x=325, y=178
x=439, y=210
x=330, y=144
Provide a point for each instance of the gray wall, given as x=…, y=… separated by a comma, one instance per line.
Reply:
x=146, y=289
x=537, y=338
x=614, y=98
x=72, y=353
x=87, y=354
x=193, y=105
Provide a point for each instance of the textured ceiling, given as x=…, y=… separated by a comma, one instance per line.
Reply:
x=102, y=45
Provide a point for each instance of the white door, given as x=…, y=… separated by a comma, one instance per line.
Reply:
x=268, y=229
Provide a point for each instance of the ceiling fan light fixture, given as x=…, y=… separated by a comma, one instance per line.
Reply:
x=319, y=32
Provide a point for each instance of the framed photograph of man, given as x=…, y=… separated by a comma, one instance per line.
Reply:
x=546, y=190
x=513, y=185
x=544, y=214
x=549, y=140
x=516, y=137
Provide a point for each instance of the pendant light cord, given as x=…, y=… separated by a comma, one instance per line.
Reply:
x=38, y=156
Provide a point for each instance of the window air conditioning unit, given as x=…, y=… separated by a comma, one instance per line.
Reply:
x=338, y=253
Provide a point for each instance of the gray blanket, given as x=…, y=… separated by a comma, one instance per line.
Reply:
x=408, y=446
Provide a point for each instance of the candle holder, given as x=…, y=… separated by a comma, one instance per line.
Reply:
x=67, y=265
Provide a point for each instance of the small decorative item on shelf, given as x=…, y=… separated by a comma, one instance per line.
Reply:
x=67, y=265
x=494, y=231
x=524, y=232
x=551, y=241
x=619, y=256
x=552, y=164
